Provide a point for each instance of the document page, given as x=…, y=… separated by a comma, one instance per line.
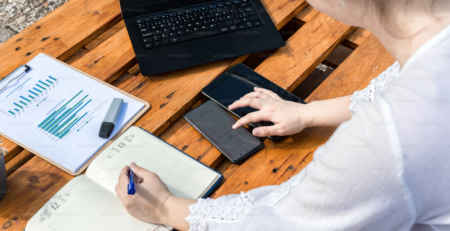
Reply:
x=84, y=205
x=184, y=176
x=57, y=111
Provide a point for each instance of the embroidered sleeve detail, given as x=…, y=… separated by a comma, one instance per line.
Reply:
x=234, y=208
x=380, y=82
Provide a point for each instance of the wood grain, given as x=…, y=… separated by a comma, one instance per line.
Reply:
x=190, y=81
x=279, y=161
x=308, y=47
x=18, y=161
x=28, y=189
x=60, y=33
x=13, y=149
x=357, y=37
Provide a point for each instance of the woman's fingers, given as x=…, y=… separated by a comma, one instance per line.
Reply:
x=268, y=92
x=248, y=102
x=266, y=131
x=124, y=178
x=259, y=95
x=253, y=117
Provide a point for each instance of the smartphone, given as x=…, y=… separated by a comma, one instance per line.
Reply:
x=215, y=124
x=239, y=81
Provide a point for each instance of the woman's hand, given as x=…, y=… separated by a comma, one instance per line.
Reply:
x=289, y=117
x=152, y=202
x=147, y=204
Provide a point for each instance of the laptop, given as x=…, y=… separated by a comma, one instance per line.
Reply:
x=169, y=35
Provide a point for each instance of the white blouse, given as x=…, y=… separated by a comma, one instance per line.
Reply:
x=385, y=169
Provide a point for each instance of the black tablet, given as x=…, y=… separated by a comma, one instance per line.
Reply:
x=215, y=124
x=239, y=81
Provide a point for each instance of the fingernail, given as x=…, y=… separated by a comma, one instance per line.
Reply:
x=234, y=126
x=133, y=164
x=255, y=132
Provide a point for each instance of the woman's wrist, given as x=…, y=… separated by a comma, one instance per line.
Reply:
x=175, y=210
x=331, y=112
x=311, y=114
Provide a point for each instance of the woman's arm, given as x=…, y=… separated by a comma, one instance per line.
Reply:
x=289, y=117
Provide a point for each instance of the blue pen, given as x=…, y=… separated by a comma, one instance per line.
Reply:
x=131, y=189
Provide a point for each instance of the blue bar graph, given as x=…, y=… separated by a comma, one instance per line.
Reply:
x=43, y=122
x=40, y=86
x=25, y=99
x=68, y=129
x=44, y=83
x=49, y=81
x=53, y=78
x=37, y=90
x=48, y=122
x=68, y=114
x=33, y=93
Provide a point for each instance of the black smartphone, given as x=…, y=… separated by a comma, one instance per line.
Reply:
x=215, y=124
x=239, y=81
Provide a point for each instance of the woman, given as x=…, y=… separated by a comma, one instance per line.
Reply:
x=384, y=167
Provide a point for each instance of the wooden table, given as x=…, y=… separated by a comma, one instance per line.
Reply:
x=91, y=36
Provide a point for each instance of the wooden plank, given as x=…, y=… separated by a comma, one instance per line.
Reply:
x=278, y=161
x=307, y=14
x=100, y=39
x=304, y=51
x=60, y=33
x=29, y=188
x=18, y=161
x=189, y=80
x=110, y=59
x=357, y=38
x=337, y=56
x=13, y=149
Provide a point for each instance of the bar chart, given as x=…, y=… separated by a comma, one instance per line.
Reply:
x=32, y=96
x=69, y=116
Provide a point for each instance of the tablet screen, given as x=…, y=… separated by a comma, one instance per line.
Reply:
x=241, y=81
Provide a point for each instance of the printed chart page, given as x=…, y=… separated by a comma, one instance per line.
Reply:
x=84, y=205
x=57, y=112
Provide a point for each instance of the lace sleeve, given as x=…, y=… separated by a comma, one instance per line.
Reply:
x=234, y=208
x=380, y=82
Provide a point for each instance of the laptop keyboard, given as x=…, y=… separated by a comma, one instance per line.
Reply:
x=197, y=23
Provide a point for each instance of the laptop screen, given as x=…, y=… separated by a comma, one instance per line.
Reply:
x=144, y=7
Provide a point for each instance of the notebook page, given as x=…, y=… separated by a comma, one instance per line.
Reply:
x=184, y=176
x=84, y=205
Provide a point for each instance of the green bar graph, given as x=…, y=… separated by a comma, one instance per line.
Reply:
x=23, y=103
x=18, y=105
x=44, y=83
x=64, y=124
x=51, y=117
x=40, y=86
x=55, y=124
